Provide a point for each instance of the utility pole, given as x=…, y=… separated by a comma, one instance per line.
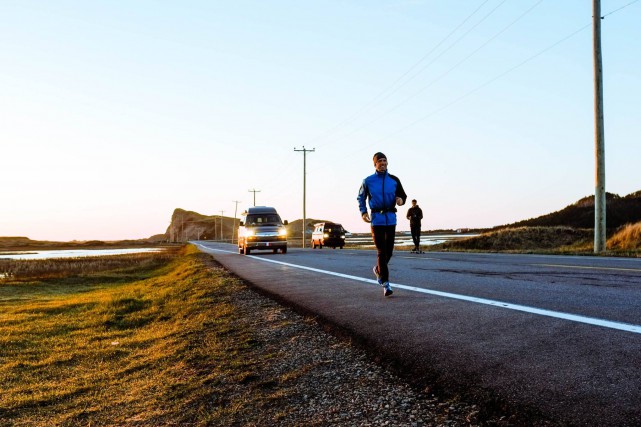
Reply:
x=222, y=238
x=305, y=151
x=599, y=137
x=234, y=227
x=254, y=191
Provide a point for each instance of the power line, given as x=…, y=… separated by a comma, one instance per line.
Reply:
x=599, y=134
x=616, y=10
x=454, y=44
x=305, y=151
x=234, y=225
x=378, y=97
x=490, y=40
x=376, y=119
x=254, y=191
x=492, y=80
x=487, y=83
x=222, y=219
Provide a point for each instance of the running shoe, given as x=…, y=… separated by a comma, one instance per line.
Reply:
x=388, y=289
x=378, y=276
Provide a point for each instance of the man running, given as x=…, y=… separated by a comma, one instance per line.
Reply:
x=415, y=215
x=384, y=192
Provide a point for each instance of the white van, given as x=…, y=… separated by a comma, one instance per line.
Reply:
x=261, y=228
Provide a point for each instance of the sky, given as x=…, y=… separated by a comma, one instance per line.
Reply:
x=115, y=113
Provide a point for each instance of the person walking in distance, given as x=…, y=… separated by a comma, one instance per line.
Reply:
x=415, y=215
x=383, y=192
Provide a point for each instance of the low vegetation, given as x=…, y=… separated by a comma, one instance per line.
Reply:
x=561, y=240
x=627, y=238
x=524, y=239
x=152, y=339
x=569, y=230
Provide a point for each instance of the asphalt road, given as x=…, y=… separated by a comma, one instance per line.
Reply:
x=553, y=336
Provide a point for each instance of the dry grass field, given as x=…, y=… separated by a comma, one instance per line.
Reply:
x=628, y=238
x=548, y=240
x=121, y=341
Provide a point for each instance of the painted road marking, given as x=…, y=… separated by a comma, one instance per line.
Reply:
x=627, y=327
x=588, y=267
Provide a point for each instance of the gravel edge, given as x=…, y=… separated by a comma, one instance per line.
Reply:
x=314, y=375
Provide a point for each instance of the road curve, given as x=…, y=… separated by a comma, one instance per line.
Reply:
x=553, y=337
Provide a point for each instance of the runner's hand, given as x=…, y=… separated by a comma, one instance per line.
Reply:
x=365, y=217
x=399, y=201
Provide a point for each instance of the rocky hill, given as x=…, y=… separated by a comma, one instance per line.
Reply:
x=189, y=225
x=619, y=211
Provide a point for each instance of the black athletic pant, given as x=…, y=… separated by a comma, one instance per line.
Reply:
x=384, y=240
x=416, y=236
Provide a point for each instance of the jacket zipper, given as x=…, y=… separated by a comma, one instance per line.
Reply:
x=383, y=197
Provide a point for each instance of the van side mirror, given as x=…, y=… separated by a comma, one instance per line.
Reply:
x=285, y=222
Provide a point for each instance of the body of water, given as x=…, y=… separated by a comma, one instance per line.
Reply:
x=73, y=253
x=406, y=239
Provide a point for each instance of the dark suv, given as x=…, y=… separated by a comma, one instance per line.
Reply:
x=261, y=228
x=328, y=234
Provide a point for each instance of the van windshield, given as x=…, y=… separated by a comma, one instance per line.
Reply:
x=263, y=219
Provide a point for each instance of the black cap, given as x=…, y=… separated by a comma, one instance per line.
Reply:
x=379, y=155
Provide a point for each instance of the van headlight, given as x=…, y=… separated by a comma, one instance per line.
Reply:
x=326, y=235
x=282, y=232
x=249, y=233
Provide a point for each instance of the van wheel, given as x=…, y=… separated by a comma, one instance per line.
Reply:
x=283, y=250
x=276, y=250
x=247, y=251
x=313, y=244
x=341, y=247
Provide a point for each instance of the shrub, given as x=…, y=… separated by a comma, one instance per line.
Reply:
x=627, y=237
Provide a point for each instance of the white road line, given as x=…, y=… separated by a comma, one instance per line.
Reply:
x=532, y=310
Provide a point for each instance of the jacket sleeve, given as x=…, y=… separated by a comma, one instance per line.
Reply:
x=399, y=189
x=362, y=197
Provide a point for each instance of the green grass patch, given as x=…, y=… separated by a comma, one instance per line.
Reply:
x=147, y=341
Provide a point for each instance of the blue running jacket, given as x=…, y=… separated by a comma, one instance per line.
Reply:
x=381, y=189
